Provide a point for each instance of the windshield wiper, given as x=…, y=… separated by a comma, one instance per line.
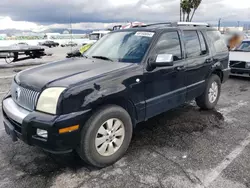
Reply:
x=84, y=56
x=102, y=57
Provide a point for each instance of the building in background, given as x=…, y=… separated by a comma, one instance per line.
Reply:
x=230, y=29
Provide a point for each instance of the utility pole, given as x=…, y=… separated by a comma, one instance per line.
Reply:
x=70, y=20
x=219, y=24
x=180, y=10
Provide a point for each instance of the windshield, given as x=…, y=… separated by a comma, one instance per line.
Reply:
x=129, y=46
x=94, y=36
x=244, y=46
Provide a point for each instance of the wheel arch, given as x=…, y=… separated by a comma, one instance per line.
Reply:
x=219, y=73
x=123, y=102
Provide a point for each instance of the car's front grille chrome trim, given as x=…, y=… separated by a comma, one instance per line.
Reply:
x=24, y=97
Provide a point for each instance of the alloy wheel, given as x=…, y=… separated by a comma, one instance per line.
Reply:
x=109, y=137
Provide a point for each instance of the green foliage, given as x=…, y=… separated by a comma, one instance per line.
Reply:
x=188, y=7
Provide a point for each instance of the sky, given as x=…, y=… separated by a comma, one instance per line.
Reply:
x=41, y=15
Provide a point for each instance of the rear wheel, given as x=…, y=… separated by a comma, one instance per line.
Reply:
x=106, y=136
x=209, y=99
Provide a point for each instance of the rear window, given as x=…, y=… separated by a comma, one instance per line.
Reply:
x=216, y=39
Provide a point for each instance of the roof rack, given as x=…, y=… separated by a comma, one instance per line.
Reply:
x=176, y=24
x=193, y=24
x=161, y=23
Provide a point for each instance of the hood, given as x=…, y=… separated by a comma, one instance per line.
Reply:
x=66, y=73
x=239, y=56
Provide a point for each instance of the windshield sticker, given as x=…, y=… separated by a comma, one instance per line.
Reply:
x=144, y=34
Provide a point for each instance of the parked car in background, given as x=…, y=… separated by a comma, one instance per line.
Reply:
x=70, y=43
x=79, y=52
x=95, y=36
x=23, y=43
x=49, y=44
x=92, y=104
x=239, y=58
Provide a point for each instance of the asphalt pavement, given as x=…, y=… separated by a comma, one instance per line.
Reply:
x=183, y=148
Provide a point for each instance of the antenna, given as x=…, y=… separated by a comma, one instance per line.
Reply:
x=70, y=30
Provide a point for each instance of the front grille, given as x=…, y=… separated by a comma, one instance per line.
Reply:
x=237, y=64
x=24, y=97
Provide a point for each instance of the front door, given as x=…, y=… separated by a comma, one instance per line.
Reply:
x=164, y=86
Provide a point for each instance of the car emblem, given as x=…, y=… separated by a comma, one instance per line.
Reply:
x=18, y=93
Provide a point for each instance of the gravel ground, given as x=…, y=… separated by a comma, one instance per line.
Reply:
x=183, y=148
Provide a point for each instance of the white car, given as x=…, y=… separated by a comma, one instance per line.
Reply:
x=95, y=36
x=239, y=58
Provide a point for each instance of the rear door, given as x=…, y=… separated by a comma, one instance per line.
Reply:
x=199, y=62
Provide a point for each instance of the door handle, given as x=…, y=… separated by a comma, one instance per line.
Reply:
x=180, y=68
x=209, y=60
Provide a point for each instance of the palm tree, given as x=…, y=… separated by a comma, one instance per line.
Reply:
x=195, y=5
x=187, y=6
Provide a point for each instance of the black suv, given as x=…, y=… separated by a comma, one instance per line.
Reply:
x=49, y=44
x=91, y=104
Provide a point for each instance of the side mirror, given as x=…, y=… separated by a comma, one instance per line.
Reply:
x=163, y=60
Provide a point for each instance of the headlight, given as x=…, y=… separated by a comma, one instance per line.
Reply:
x=48, y=99
x=247, y=65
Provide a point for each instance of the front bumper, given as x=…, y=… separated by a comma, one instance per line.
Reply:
x=226, y=73
x=22, y=124
x=240, y=70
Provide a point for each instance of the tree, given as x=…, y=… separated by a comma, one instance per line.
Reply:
x=196, y=4
x=187, y=7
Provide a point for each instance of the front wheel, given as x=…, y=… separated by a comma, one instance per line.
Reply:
x=209, y=99
x=106, y=136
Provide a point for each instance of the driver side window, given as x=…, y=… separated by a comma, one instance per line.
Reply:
x=169, y=43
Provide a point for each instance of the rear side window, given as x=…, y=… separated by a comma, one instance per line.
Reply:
x=169, y=43
x=193, y=48
x=216, y=39
x=202, y=43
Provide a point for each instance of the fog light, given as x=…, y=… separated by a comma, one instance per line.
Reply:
x=247, y=64
x=42, y=133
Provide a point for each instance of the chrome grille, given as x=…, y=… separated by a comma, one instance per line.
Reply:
x=237, y=64
x=24, y=97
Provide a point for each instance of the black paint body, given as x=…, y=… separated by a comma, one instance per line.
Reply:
x=143, y=91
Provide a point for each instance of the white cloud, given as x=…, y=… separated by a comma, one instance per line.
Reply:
x=8, y=23
x=89, y=14
x=241, y=4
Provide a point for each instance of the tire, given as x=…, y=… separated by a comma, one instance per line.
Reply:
x=204, y=101
x=15, y=56
x=88, y=150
